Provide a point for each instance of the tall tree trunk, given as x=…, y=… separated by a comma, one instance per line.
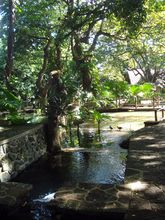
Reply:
x=82, y=63
x=53, y=136
x=42, y=86
x=10, y=41
x=54, y=113
x=56, y=104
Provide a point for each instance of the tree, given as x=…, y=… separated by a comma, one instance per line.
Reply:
x=66, y=36
x=147, y=54
x=141, y=91
x=143, y=55
x=88, y=21
x=119, y=90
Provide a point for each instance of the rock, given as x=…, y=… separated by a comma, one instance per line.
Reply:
x=18, y=164
x=12, y=156
x=5, y=176
x=7, y=164
x=32, y=139
x=125, y=144
x=4, y=148
x=13, y=148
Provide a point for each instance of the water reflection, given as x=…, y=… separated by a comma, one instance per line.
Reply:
x=97, y=167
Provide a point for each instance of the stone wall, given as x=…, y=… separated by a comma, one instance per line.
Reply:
x=19, y=151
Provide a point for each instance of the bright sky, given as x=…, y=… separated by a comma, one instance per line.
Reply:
x=133, y=78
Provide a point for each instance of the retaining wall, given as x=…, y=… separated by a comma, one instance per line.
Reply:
x=19, y=151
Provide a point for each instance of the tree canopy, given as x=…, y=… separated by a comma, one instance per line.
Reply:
x=80, y=43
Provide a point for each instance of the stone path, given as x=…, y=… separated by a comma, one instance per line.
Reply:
x=145, y=173
x=143, y=191
x=12, y=196
x=92, y=198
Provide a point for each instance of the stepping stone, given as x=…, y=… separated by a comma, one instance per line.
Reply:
x=92, y=198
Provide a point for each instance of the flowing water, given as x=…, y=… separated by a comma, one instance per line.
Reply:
x=91, y=158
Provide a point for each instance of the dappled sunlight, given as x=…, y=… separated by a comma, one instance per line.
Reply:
x=2, y=128
x=71, y=196
x=151, y=146
x=149, y=137
x=87, y=77
x=153, y=163
x=137, y=186
x=129, y=120
x=70, y=149
x=144, y=138
x=149, y=157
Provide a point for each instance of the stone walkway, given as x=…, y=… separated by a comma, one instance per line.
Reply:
x=13, y=196
x=142, y=196
x=145, y=174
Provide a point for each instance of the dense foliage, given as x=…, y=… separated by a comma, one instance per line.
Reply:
x=55, y=55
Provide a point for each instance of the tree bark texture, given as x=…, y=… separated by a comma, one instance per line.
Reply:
x=56, y=104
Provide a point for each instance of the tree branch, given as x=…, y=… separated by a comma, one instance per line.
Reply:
x=92, y=47
x=112, y=36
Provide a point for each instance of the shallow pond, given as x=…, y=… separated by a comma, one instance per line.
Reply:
x=98, y=159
